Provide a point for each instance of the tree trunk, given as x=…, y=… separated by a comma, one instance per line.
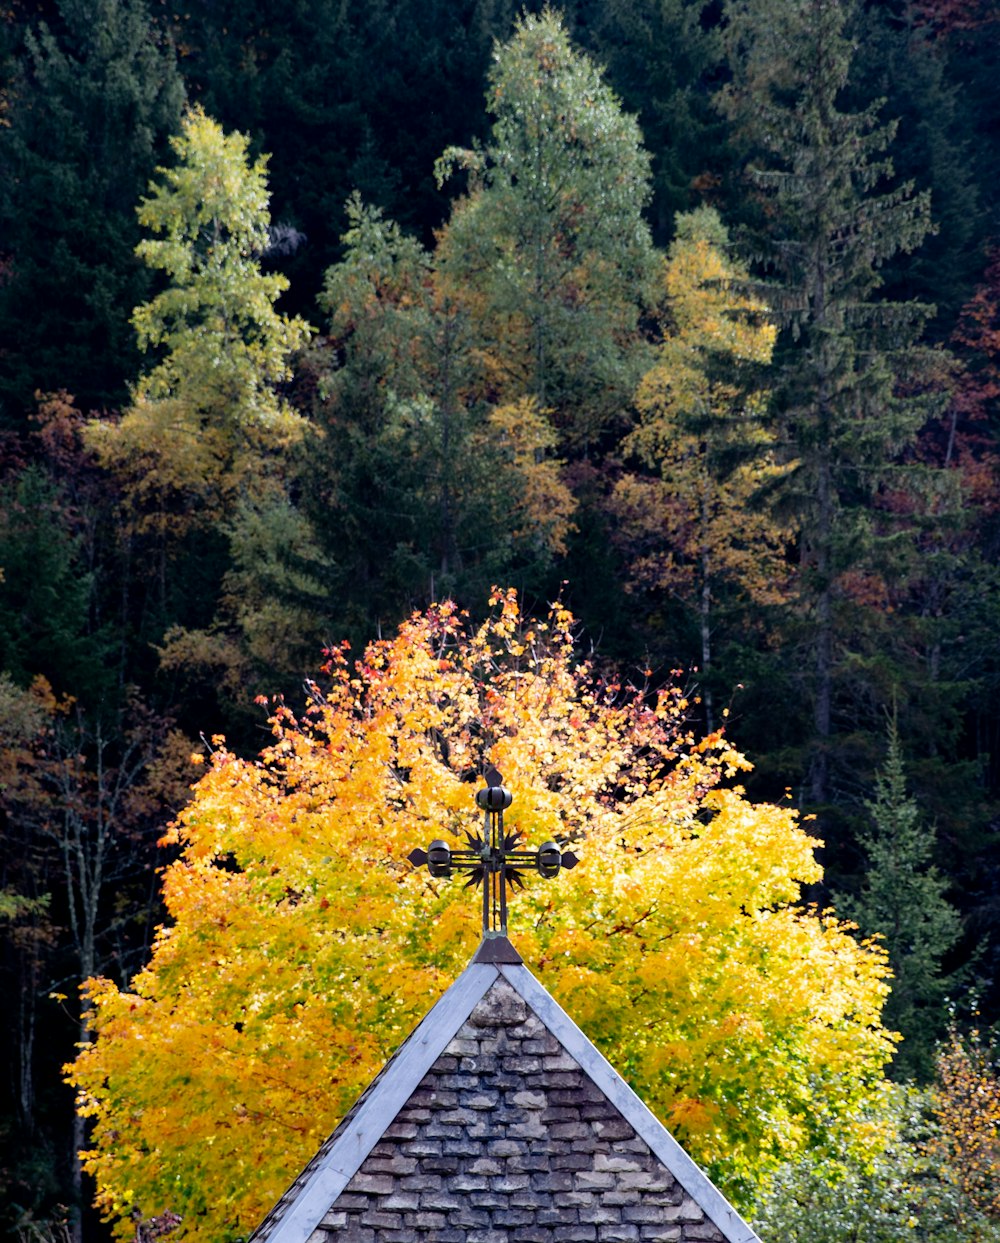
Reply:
x=78, y=1138
x=819, y=774
x=705, y=617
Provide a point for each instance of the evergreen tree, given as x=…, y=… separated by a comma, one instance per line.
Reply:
x=46, y=595
x=425, y=490
x=549, y=249
x=898, y=60
x=829, y=220
x=208, y=442
x=963, y=35
x=89, y=111
x=902, y=899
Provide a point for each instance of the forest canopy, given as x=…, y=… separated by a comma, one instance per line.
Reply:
x=682, y=313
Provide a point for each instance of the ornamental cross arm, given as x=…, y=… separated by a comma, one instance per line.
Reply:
x=494, y=858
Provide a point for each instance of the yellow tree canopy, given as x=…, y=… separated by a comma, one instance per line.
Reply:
x=208, y=415
x=701, y=429
x=302, y=947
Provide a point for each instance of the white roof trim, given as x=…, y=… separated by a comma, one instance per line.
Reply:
x=696, y=1183
x=358, y=1135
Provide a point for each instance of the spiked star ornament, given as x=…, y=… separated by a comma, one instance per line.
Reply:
x=494, y=858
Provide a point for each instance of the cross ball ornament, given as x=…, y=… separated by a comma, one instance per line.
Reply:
x=493, y=858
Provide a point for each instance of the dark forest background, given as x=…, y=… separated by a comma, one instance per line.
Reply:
x=852, y=165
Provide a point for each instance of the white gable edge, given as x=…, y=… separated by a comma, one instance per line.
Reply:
x=694, y=1181
x=386, y=1097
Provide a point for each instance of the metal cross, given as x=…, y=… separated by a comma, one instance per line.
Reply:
x=493, y=859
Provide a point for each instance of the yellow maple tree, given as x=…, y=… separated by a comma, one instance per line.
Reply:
x=302, y=947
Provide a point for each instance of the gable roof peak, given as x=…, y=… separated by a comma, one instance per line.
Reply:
x=537, y=1125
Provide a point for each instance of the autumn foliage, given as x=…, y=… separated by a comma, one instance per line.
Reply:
x=967, y=1104
x=302, y=947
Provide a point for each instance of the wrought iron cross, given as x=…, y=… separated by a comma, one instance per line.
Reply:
x=493, y=859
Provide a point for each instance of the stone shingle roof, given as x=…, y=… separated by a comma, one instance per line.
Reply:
x=497, y=1121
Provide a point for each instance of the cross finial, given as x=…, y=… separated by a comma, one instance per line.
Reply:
x=493, y=859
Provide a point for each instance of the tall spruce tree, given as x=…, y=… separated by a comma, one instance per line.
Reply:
x=88, y=113
x=903, y=900
x=829, y=217
x=898, y=58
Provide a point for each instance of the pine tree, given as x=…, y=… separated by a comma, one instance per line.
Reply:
x=829, y=218
x=550, y=246
x=903, y=900
x=424, y=490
